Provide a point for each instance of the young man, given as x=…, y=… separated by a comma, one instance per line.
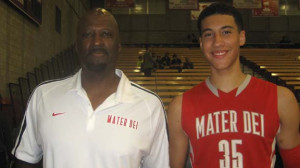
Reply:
x=97, y=117
x=231, y=120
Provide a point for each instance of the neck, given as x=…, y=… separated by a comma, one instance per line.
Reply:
x=95, y=81
x=99, y=85
x=227, y=80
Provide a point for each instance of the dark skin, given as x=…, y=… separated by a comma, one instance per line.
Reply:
x=98, y=46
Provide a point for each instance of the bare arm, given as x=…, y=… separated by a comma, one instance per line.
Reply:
x=178, y=141
x=289, y=115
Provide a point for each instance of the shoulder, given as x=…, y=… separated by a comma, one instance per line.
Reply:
x=145, y=94
x=287, y=104
x=261, y=81
x=53, y=86
x=54, y=83
x=201, y=87
x=175, y=105
x=263, y=87
x=285, y=96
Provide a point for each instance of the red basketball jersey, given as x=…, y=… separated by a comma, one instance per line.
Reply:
x=231, y=130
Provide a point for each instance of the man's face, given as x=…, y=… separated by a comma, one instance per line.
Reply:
x=220, y=41
x=98, y=43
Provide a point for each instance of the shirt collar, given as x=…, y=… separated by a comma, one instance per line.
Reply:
x=123, y=93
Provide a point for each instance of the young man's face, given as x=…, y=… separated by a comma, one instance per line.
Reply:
x=98, y=42
x=220, y=41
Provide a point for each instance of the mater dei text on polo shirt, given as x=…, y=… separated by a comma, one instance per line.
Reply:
x=117, y=120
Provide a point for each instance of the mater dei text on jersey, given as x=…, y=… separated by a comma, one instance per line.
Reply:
x=226, y=122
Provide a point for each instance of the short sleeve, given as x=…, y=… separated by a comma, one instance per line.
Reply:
x=27, y=147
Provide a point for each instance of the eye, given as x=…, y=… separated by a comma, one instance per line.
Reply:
x=226, y=32
x=87, y=34
x=207, y=34
x=106, y=34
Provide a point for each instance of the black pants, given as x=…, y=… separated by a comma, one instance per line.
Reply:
x=147, y=72
x=3, y=161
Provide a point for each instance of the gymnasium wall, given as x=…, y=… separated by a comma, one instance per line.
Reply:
x=173, y=26
x=25, y=44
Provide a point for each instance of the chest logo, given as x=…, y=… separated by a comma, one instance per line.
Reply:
x=56, y=114
x=122, y=121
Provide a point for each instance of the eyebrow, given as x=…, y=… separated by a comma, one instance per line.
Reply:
x=224, y=27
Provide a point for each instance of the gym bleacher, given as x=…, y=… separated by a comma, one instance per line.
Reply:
x=280, y=66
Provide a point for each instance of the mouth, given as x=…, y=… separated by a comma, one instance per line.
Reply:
x=219, y=54
x=98, y=52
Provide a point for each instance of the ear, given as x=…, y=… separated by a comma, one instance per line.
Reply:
x=76, y=47
x=242, y=37
x=120, y=47
x=200, y=41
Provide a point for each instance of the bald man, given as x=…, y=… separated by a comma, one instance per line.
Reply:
x=96, y=118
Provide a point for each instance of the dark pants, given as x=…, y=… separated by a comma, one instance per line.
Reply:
x=3, y=161
x=147, y=72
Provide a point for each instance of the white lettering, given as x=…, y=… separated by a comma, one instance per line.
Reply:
x=247, y=122
x=216, y=114
x=200, y=127
x=233, y=120
x=224, y=121
x=262, y=125
x=254, y=123
x=210, y=125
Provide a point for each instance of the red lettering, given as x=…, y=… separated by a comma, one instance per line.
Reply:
x=109, y=118
x=122, y=121
x=125, y=122
x=114, y=120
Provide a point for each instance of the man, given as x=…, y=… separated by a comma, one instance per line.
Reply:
x=97, y=117
x=231, y=119
x=166, y=59
x=188, y=64
x=176, y=63
x=148, y=63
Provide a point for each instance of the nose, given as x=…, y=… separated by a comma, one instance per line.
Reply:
x=98, y=41
x=219, y=40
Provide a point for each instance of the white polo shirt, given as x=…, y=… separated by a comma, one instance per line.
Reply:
x=128, y=130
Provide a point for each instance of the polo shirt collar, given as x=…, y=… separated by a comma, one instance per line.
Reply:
x=123, y=93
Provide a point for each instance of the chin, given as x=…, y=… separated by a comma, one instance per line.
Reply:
x=96, y=67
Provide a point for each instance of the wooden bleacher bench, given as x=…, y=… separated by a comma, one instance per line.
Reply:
x=166, y=100
x=168, y=83
x=206, y=69
x=279, y=66
x=136, y=74
x=265, y=63
x=286, y=74
x=169, y=94
x=285, y=78
x=171, y=78
x=168, y=88
x=293, y=83
x=283, y=70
